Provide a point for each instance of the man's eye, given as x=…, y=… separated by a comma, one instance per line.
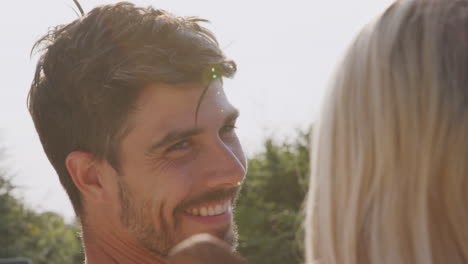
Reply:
x=182, y=145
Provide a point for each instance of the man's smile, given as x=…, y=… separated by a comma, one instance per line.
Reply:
x=214, y=214
x=211, y=209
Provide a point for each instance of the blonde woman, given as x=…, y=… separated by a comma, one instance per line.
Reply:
x=389, y=181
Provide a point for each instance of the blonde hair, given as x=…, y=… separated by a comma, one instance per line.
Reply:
x=389, y=170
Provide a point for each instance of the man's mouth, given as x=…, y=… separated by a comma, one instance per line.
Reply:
x=210, y=209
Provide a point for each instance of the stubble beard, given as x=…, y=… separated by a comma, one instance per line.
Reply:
x=137, y=218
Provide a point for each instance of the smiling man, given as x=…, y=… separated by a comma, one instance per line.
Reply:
x=129, y=106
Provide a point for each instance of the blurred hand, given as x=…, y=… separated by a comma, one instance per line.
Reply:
x=203, y=249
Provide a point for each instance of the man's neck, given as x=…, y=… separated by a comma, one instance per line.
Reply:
x=108, y=248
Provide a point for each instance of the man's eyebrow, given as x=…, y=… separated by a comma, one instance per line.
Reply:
x=174, y=136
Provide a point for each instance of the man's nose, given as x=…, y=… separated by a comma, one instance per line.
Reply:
x=225, y=166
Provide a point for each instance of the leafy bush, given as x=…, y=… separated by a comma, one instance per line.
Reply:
x=269, y=210
x=41, y=237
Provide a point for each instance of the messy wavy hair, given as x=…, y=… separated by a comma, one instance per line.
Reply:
x=92, y=70
x=390, y=155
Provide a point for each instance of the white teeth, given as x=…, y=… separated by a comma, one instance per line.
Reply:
x=211, y=211
x=203, y=211
x=219, y=209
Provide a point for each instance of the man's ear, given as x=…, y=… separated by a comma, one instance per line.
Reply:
x=85, y=171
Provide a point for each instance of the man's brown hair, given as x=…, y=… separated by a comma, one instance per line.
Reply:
x=92, y=70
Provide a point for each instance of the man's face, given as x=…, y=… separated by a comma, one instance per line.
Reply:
x=180, y=169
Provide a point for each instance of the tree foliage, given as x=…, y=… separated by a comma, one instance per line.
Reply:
x=269, y=210
x=41, y=237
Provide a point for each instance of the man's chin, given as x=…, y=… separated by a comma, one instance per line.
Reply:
x=226, y=233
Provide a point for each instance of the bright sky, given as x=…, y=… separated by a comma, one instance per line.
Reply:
x=285, y=50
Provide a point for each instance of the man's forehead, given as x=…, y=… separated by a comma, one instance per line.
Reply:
x=155, y=93
x=181, y=106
